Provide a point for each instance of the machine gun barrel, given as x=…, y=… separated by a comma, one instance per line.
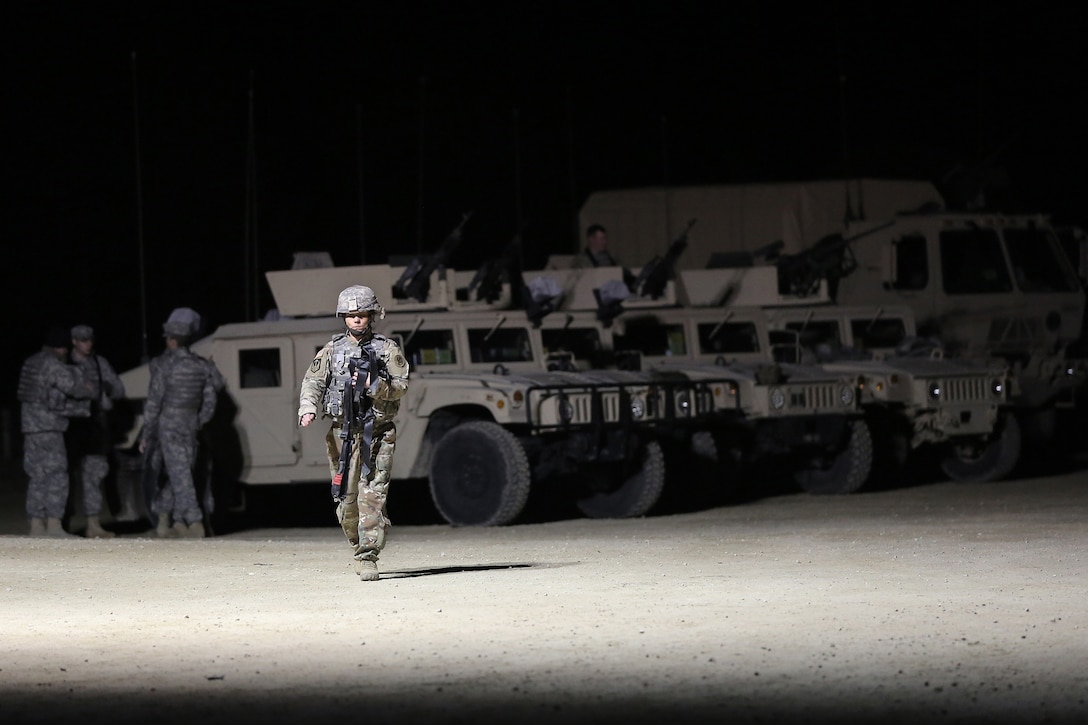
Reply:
x=415, y=282
x=655, y=275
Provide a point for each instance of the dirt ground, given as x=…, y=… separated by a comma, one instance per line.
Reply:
x=944, y=603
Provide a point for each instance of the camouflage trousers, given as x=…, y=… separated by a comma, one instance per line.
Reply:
x=46, y=464
x=92, y=471
x=178, y=496
x=362, y=512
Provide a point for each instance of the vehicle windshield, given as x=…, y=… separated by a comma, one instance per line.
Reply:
x=583, y=342
x=1036, y=263
x=972, y=262
x=881, y=332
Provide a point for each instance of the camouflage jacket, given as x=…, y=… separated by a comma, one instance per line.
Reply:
x=329, y=371
x=50, y=392
x=181, y=394
x=106, y=385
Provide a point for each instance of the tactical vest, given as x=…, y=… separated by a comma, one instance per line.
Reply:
x=345, y=358
x=33, y=383
x=185, y=374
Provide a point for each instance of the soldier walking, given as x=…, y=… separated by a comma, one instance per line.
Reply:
x=50, y=392
x=181, y=399
x=89, y=439
x=358, y=379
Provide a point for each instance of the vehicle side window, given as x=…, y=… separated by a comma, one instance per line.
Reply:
x=500, y=345
x=583, y=342
x=878, y=333
x=972, y=262
x=259, y=368
x=911, y=263
x=729, y=337
x=1035, y=262
x=652, y=338
x=428, y=347
x=813, y=333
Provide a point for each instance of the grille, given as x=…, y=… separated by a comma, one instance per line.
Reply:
x=821, y=396
x=962, y=390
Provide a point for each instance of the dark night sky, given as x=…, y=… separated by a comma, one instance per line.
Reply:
x=525, y=108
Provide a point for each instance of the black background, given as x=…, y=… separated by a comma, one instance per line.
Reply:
x=375, y=125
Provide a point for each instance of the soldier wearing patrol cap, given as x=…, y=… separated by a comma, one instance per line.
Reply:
x=181, y=399
x=89, y=439
x=357, y=379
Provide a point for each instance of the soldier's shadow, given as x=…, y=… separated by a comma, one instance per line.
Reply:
x=431, y=571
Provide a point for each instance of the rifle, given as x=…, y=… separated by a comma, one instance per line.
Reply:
x=415, y=282
x=354, y=407
x=655, y=275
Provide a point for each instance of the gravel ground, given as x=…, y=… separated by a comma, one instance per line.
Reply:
x=940, y=603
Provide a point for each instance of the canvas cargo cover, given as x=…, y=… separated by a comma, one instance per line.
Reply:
x=641, y=223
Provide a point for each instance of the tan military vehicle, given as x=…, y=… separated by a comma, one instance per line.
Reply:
x=987, y=285
x=483, y=419
x=914, y=396
x=806, y=418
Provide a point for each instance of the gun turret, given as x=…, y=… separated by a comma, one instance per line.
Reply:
x=655, y=275
x=487, y=283
x=829, y=259
x=415, y=282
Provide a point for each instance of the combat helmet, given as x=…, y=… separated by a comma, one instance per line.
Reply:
x=358, y=298
x=183, y=322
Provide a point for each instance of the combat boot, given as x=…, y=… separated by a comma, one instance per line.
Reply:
x=95, y=530
x=194, y=530
x=37, y=527
x=367, y=570
x=163, y=530
x=54, y=528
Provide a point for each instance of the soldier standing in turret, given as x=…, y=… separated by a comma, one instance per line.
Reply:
x=358, y=379
x=89, y=438
x=50, y=392
x=181, y=398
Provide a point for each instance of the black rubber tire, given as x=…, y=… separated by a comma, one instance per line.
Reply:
x=634, y=495
x=479, y=475
x=847, y=471
x=992, y=462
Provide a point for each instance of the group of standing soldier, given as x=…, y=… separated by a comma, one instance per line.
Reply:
x=65, y=401
x=356, y=380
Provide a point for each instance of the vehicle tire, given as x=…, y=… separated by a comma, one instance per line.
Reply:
x=847, y=471
x=990, y=462
x=630, y=493
x=479, y=475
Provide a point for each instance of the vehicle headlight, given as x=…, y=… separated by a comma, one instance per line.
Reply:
x=935, y=390
x=846, y=395
x=566, y=410
x=778, y=399
x=638, y=407
x=997, y=388
x=683, y=403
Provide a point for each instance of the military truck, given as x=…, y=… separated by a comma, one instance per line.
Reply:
x=988, y=285
x=913, y=395
x=806, y=418
x=484, y=418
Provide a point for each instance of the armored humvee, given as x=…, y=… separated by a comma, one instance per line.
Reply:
x=914, y=396
x=988, y=285
x=484, y=418
x=807, y=418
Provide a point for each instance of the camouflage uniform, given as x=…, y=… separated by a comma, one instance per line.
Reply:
x=361, y=512
x=50, y=392
x=89, y=439
x=181, y=399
